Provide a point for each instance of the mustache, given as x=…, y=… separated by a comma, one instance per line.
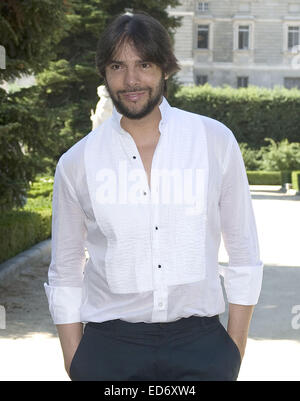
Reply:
x=131, y=90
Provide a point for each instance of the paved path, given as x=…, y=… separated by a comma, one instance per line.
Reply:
x=30, y=349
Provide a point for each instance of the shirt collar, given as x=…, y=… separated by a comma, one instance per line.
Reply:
x=164, y=108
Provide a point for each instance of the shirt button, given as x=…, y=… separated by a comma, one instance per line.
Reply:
x=156, y=228
x=160, y=304
x=159, y=266
x=134, y=157
x=145, y=193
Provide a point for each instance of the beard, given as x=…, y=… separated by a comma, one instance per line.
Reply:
x=154, y=97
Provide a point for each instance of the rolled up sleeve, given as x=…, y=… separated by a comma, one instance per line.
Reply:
x=243, y=275
x=65, y=275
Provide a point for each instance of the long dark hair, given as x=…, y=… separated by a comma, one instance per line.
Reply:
x=148, y=36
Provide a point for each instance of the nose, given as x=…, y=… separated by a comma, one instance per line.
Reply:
x=131, y=77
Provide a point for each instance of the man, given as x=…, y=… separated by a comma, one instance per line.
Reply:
x=149, y=193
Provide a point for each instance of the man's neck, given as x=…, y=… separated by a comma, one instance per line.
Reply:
x=145, y=130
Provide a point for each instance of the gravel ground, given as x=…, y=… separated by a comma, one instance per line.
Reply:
x=29, y=346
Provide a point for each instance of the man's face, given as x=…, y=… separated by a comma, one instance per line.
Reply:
x=136, y=86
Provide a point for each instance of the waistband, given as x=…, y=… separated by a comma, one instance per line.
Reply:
x=200, y=322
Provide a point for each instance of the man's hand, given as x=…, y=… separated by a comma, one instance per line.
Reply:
x=238, y=325
x=70, y=336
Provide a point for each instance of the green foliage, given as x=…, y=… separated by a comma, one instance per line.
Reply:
x=173, y=86
x=39, y=196
x=29, y=31
x=277, y=156
x=296, y=180
x=286, y=176
x=26, y=141
x=251, y=113
x=23, y=228
x=280, y=156
x=252, y=157
x=42, y=187
x=264, y=177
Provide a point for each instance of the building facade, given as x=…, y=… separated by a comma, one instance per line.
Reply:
x=239, y=42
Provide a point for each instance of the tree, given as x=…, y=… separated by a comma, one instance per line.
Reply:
x=28, y=32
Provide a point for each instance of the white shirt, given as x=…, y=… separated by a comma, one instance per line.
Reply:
x=152, y=254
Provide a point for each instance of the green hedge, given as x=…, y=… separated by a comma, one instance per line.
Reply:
x=22, y=228
x=274, y=178
x=296, y=180
x=264, y=177
x=251, y=113
x=286, y=177
x=19, y=230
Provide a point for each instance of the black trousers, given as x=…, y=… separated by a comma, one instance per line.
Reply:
x=189, y=349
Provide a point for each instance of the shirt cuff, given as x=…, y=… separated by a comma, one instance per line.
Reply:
x=242, y=283
x=64, y=303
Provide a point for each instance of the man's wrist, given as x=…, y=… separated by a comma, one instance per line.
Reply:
x=238, y=324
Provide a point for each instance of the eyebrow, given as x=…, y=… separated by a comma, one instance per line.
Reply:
x=116, y=62
x=122, y=62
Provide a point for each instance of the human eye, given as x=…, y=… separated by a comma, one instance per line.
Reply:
x=145, y=65
x=115, y=67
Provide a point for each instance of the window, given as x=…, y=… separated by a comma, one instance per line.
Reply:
x=242, y=82
x=202, y=6
x=243, y=39
x=290, y=83
x=293, y=36
x=201, y=79
x=202, y=40
x=243, y=34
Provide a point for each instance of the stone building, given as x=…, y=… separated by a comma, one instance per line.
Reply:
x=239, y=42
